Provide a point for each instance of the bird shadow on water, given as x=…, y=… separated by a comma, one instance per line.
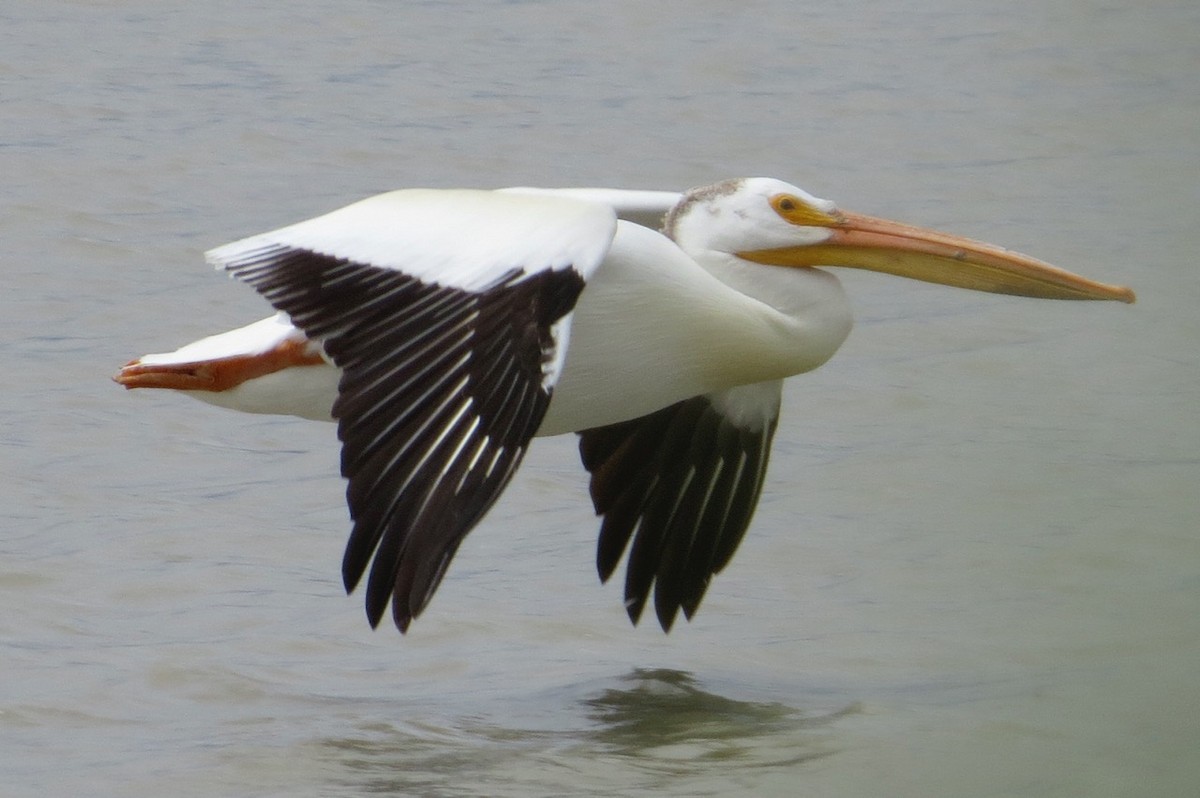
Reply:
x=654, y=728
x=661, y=709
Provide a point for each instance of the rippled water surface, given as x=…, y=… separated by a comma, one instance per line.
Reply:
x=976, y=567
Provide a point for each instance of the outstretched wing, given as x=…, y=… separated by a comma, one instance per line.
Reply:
x=448, y=313
x=682, y=483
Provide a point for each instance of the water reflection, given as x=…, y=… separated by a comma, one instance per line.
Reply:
x=666, y=712
x=656, y=729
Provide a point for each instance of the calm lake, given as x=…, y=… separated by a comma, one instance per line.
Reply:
x=975, y=570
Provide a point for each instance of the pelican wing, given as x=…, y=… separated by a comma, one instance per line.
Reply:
x=448, y=314
x=682, y=483
x=645, y=207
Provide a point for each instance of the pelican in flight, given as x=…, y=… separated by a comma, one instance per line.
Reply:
x=443, y=329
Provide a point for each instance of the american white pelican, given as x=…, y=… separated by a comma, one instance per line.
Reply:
x=446, y=316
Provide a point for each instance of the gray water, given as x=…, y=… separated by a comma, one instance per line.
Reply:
x=976, y=567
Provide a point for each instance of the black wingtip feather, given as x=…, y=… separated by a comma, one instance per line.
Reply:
x=668, y=489
x=442, y=389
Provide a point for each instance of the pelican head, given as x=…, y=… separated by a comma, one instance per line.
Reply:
x=766, y=221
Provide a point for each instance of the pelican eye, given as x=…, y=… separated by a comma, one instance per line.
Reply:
x=798, y=212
